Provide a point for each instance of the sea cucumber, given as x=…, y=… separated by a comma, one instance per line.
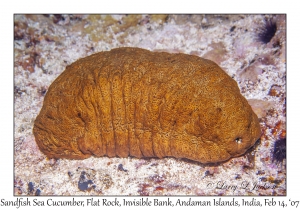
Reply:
x=134, y=102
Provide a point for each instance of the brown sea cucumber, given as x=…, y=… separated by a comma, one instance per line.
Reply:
x=133, y=102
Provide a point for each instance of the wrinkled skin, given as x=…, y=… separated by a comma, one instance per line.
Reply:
x=133, y=102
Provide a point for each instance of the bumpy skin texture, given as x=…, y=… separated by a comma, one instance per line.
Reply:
x=133, y=102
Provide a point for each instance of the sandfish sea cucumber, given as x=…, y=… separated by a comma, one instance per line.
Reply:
x=134, y=102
